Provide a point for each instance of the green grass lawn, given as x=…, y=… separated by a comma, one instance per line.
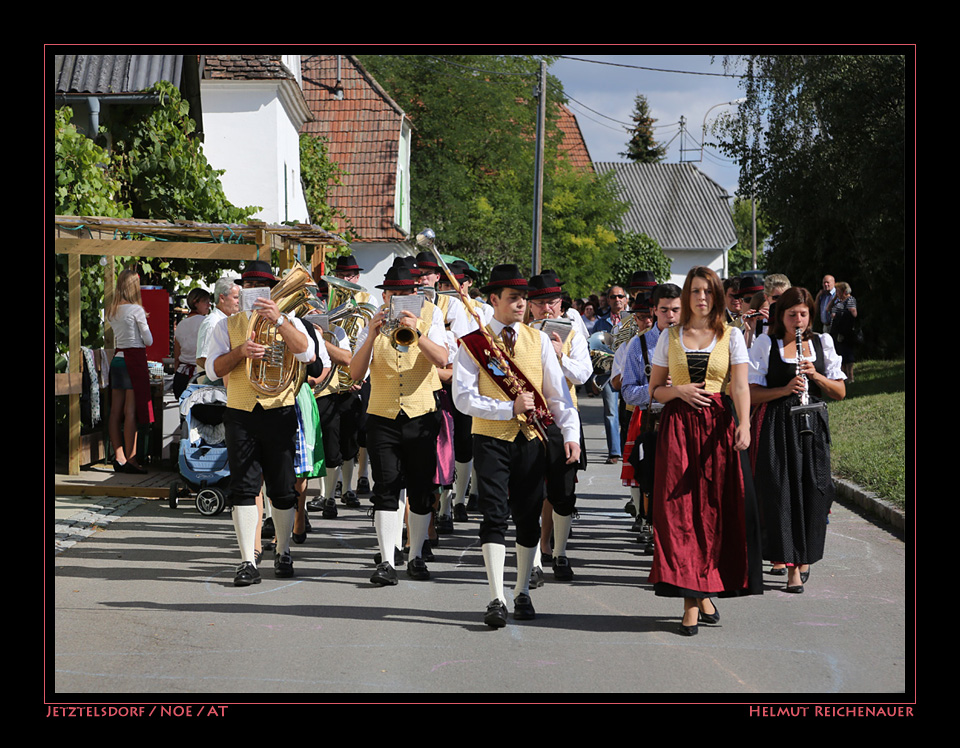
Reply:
x=869, y=428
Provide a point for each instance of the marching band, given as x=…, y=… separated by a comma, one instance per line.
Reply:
x=439, y=390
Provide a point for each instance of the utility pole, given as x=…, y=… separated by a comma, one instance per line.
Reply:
x=538, y=167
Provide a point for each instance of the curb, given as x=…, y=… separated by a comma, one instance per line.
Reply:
x=869, y=501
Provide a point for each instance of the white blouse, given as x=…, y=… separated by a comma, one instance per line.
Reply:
x=738, y=348
x=130, y=328
x=760, y=359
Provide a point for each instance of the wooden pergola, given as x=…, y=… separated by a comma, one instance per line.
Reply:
x=132, y=237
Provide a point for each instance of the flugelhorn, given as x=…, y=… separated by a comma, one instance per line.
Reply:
x=279, y=368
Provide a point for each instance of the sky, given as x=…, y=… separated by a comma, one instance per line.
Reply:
x=602, y=89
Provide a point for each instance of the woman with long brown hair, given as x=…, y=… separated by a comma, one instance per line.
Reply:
x=792, y=444
x=706, y=538
x=129, y=375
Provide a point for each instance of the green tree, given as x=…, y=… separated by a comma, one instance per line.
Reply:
x=642, y=148
x=820, y=140
x=636, y=252
x=472, y=163
x=156, y=170
x=319, y=174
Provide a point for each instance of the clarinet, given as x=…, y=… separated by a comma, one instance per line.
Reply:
x=805, y=408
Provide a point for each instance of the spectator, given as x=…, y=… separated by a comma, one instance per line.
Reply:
x=845, y=327
x=185, y=340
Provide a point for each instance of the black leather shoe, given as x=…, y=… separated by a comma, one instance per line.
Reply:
x=363, y=486
x=496, y=615
x=417, y=569
x=426, y=553
x=562, y=571
x=778, y=572
x=283, y=565
x=460, y=513
x=796, y=590
x=266, y=529
x=536, y=578
x=444, y=524
x=350, y=500
x=805, y=575
x=246, y=575
x=315, y=505
x=397, y=557
x=330, y=508
x=384, y=575
x=523, y=608
x=689, y=630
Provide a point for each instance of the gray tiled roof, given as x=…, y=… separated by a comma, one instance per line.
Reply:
x=114, y=74
x=676, y=204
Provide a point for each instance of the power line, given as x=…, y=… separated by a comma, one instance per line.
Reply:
x=650, y=69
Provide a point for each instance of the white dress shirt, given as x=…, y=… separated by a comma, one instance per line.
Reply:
x=468, y=400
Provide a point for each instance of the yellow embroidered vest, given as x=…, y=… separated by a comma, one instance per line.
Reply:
x=240, y=394
x=527, y=358
x=403, y=380
x=718, y=364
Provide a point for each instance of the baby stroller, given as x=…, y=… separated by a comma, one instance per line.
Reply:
x=203, y=452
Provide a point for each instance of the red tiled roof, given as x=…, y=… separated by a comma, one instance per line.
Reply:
x=362, y=130
x=574, y=146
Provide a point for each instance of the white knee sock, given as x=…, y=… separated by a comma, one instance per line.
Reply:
x=445, y=495
x=401, y=516
x=524, y=567
x=245, y=525
x=461, y=481
x=362, y=462
x=419, y=527
x=347, y=469
x=561, y=532
x=283, y=523
x=637, y=498
x=385, y=524
x=493, y=560
x=329, y=483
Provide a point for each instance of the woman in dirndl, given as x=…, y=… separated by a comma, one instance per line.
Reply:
x=791, y=439
x=704, y=509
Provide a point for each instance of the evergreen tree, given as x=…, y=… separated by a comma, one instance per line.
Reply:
x=642, y=148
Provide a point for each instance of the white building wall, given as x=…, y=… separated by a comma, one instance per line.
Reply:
x=249, y=133
x=683, y=261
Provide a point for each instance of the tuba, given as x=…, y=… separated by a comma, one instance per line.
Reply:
x=350, y=316
x=279, y=369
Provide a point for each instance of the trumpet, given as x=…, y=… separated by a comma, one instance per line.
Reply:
x=401, y=336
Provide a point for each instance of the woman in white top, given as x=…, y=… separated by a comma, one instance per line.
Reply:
x=185, y=340
x=129, y=376
x=704, y=510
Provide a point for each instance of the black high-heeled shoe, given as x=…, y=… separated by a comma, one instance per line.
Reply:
x=711, y=618
x=689, y=630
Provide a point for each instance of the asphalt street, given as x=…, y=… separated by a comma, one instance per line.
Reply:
x=145, y=610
